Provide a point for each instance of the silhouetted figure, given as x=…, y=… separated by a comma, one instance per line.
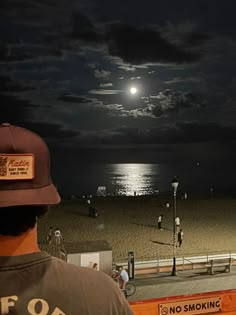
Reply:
x=211, y=192
x=93, y=213
x=95, y=266
x=177, y=224
x=159, y=222
x=49, y=235
x=180, y=237
x=58, y=236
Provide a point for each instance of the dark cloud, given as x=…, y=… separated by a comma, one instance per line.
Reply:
x=195, y=39
x=9, y=85
x=51, y=131
x=13, y=4
x=70, y=98
x=19, y=112
x=34, y=29
x=140, y=46
x=8, y=54
x=77, y=30
x=170, y=101
x=84, y=29
x=14, y=110
x=157, y=111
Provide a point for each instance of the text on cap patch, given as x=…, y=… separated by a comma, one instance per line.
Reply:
x=16, y=166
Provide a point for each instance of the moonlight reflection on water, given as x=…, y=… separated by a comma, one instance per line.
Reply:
x=130, y=179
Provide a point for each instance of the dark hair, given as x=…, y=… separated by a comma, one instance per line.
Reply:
x=17, y=220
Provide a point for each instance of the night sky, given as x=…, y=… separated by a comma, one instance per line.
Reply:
x=67, y=67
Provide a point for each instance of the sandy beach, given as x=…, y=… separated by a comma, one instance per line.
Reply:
x=130, y=224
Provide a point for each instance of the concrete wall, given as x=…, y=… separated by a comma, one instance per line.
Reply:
x=105, y=260
x=74, y=259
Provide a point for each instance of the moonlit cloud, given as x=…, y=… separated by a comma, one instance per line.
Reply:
x=101, y=74
x=105, y=84
x=104, y=92
x=121, y=64
x=127, y=68
x=93, y=65
x=182, y=79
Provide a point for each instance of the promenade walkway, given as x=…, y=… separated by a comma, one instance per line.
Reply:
x=186, y=282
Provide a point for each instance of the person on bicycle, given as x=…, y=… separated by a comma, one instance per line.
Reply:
x=123, y=277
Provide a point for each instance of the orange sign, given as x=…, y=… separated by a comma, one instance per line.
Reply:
x=218, y=302
x=16, y=166
x=191, y=307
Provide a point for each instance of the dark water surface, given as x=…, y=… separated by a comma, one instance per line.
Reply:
x=125, y=179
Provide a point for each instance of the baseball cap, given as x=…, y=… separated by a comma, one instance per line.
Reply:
x=24, y=169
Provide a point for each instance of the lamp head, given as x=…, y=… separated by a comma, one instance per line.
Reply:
x=174, y=184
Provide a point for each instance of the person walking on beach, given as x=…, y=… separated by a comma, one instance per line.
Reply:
x=58, y=236
x=159, y=222
x=177, y=224
x=32, y=281
x=180, y=237
x=49, y=236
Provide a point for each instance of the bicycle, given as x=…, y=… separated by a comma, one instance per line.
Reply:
x=130, y=289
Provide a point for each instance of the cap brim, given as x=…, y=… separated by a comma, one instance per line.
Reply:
x=47, y=195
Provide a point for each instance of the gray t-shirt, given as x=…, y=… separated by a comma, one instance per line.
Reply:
x=44, y=285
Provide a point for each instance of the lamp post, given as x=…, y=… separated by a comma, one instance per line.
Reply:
x=174, y=185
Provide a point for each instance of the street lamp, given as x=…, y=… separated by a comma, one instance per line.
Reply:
x=174, y=185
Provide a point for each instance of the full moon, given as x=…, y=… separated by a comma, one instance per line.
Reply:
x=133, y=90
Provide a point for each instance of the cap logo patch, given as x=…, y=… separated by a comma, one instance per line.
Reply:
x=16, y=166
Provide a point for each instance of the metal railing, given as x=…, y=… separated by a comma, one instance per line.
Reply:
x=188, y=261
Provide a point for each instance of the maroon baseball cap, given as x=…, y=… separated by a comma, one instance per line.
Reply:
x=24, y=169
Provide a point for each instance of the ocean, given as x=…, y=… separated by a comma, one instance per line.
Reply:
x=145, y=179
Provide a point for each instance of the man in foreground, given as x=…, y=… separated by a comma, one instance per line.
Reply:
x=31, y=281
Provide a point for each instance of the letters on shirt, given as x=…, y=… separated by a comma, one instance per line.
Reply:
x=34, y=307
